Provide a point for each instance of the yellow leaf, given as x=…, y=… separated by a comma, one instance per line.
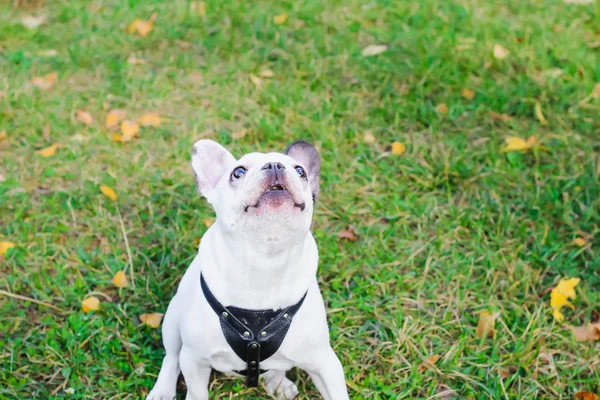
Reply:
x=398, y=148
x=83, y=116
x=519, y=144
x=4, y=246
x=149, y=120
x=280, y=19
x=429, y=362
x=467, y=93
x=152, y=320
x=539, y=114
x=2, y=135
x=120, y=279
x=485, y=326
x=208, y=222
x=120, y=138
x=114, y=117
x=567, y=287
x=560, y=294
x=129, y=129
x=500, y=52
x=90, y=304
x=579, y=242
x=108, y=192
x=442, y=108
x=45, y=82
x=48, y=151
x=196, y=241
x=558, y=315
x=141, y=27
x=589, y=332
x=369, y=138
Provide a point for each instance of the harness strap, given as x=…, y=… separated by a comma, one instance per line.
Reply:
x=252, y=345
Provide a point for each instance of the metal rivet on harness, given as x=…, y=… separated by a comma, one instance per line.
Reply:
x=286, y=315
x=254, y=345
x=263, y=333
x=246, y=334
x=225, y=315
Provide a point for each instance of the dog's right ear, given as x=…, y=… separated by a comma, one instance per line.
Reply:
x=210, y=162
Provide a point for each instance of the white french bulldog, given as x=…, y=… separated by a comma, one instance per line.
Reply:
x=250, y=304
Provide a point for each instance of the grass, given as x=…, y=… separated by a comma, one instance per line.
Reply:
x=451, y=228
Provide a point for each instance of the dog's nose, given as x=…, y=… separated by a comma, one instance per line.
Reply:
x=273, y=165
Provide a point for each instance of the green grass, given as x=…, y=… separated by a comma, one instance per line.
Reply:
x=451, y=228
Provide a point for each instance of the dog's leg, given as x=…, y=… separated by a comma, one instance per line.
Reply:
x=165, y=386
x=328, y=375
x=279, y=386
x=196, y=376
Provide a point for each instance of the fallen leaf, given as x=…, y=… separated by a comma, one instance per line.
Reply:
x=539, y=114
x=560, y=294
x=108, y=192
x=589, y=332
x=374, y=49
x=47, y=53
x=4, y=246
x=256, y=80
x=369, y=138
x=149, y=120
x=586, y=396
x=141, y=27
x=48, y=151
x=198, y=7
x=196, y=241
x=120, y=138
x=442, y=108
x=348, y=234
x=114, y=117
x=239, y=134
x=120, y=279
x=519, y=144
x=429, y=362
x=579, y=242
x=90, y=304
x=84, y=117
x=130, y=129
x=78, y=137
x=485, y=326
x=398, y=148
x=594, y=45
x=500, y=117
x=152, y=320
x=133, y=60
x=280, y=19
x=31, y=22
x=266, y=73
x=45, y=82
x=208, y=222
x=500, y=52
x=467, y=93
x=2, y=178
x=2, y=135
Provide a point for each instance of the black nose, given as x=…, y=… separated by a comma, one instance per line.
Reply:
x=273, y=165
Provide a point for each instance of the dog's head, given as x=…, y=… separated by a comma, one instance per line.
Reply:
x=266, y=194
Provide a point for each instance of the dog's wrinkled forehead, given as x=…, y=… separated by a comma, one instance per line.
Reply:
x=252, y=160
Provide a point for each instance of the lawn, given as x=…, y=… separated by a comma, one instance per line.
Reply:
x=451, y=228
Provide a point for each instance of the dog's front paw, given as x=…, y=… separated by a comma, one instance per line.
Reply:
x=158, y=394
x=282, y=389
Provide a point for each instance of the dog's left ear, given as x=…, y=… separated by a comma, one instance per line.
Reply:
x=306, y=154
x=210, y=162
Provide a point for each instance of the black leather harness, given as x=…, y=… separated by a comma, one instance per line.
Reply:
x=254, y=335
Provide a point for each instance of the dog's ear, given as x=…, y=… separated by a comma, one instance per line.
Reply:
x=210, y=161
x=306, y=154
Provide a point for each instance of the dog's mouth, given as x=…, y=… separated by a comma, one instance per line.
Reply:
x=276, y=195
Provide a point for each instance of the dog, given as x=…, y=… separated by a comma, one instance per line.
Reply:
x=249, y=304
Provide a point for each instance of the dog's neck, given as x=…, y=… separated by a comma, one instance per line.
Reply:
x=251, y=272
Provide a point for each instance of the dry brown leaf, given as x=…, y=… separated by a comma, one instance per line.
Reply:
x=442, y=108
x=208, y=222
x=84, y=117
x=31, y=22
x=398, y=148
x=152, y=320
x=280, y=19
x=120, y=279
x=256, y=80
x=114, y=117
x=108, y=192
x=539, y=114
x=2, y=135
x=120, y=138
x=500, y=52
x=239, y=134
x=90, y=304
x=580, y=242
x=348, y=234
x=141, y=27
x=428, y=363
x=150, y=120
x=589, y=332
x=48, y=151
x=374, y=49
x=133, y=60
x=467, y=93
x=485, y=326
x=500, y=117
x=369, y=138
x=45, y=82
x=47, y=53
x=4, y=246
x=130, y=129
x=583, y=395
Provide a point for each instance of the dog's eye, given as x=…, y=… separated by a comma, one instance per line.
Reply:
x=238, y=173
x=301, y=172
